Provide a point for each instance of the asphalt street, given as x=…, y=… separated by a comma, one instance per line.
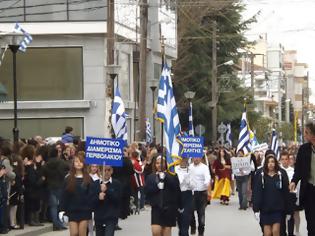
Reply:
x=220, y=221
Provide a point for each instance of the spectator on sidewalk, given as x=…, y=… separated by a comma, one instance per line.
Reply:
x=67, y=136
x=54, y=172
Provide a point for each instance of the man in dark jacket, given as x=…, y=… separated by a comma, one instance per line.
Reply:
x=106, y=211
x=54, y=172
x=305, y=172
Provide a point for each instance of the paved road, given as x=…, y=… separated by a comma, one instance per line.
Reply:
x=220, y=221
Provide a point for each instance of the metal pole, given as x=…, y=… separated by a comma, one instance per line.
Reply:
x=143, y=67
x=214, y=86
x=14, y=49
x=153, y=114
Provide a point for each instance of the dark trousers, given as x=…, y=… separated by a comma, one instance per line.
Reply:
x=309, y=207
x=241, y=184
x=199, y=204
x=106, y=229
x=284, y=230
x=184, y=217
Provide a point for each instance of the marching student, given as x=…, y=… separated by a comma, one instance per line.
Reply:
x=137, y=179
x=242, y=176
x=107, y=207
x=77, y=197
x=270, y=195
x=223, y=172
x=201, y=178
x=94, y=172
x=284, y=159
x=163, y=193
x=186, y=205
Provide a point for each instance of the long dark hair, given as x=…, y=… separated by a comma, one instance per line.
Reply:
x=270, y=155
x=163, y=162
x=226, y=156
x=71, y=179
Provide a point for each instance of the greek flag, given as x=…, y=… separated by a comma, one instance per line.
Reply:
x=167, y=114
x=119, y=117
x=191, y=123
x=229, y=135
x=275, y=144
x=27, y=37
x=243, y=138
x=148, y=131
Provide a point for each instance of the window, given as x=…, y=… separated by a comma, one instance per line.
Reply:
x=52, y=10
x=50, y=127
x=125, y=76
x=45, y=74
x=157, y=71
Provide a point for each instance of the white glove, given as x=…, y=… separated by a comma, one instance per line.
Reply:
x=61, y=215
x=288, y=217
x=181, y=211
x=160, y=185
x=257, y=216
x=162, y=175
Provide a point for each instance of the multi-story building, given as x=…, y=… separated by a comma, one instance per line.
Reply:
x=297, y=89
x=62, y=76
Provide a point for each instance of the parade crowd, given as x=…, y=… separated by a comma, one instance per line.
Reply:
x=50, y=182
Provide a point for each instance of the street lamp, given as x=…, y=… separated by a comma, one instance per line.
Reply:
x=189, y=95
x=214, y=96
x=13, y=40
x=153, y=88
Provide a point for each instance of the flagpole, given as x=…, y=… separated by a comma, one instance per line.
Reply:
x=162, y=67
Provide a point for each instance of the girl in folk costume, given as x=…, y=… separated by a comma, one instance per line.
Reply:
x=137, y=179
x=78, y=195
x=222, y=170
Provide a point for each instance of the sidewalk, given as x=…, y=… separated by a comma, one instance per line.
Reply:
x=31, y=231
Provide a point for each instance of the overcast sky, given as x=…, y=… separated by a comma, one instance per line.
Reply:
x=289, y=22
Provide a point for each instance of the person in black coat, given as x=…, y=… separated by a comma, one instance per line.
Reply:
x=33, y=185
x=270, y=195
x=123, y=175
x=107, y=206
x=305, y=172
x=163, y=193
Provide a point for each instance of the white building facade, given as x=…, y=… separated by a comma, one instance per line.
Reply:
x=62, y=76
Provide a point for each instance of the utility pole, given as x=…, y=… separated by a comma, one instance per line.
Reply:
x=111, y=68
x=143, y=66
x=110, y=31
x=214, y=86
x=252, y=74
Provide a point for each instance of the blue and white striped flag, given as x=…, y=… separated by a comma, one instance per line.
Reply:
x=148, y=131
x=229, y=135
x=167, y=114
x=27, y=37
x=191, y=123
x=243, y=138
x=275, y=144
x=119, y=117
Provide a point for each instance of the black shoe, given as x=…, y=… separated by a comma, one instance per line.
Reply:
x=4, y=231
x=192, y=231
x=117, y=227
x=55, y=228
